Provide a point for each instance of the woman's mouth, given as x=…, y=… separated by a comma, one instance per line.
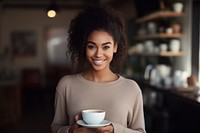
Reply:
x=98, y=62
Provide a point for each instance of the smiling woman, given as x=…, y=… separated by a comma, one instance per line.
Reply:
x=99, y=50
x=100, y=21
x=97, y=43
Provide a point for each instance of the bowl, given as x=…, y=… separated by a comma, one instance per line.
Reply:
x=93, y=116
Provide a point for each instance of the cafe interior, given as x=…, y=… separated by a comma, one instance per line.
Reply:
x=162, y=57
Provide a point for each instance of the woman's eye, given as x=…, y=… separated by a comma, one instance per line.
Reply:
x=90, y=47
x=106, y=47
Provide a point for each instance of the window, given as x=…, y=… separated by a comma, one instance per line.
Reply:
x=56, y=39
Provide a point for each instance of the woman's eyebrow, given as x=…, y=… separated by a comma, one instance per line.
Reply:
x=102, y=43
x=106, y=43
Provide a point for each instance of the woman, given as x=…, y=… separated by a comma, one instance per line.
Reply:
x=97, y=44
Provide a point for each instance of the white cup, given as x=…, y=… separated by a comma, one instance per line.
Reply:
x=178, y=7
x=180, y=78
x=163, y=70
x=93, y=116
x=169, y=30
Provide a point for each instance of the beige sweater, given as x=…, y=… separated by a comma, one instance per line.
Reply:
x=121, y=99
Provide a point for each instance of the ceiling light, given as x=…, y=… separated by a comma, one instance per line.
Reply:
x=52, y=10
x=51, y=13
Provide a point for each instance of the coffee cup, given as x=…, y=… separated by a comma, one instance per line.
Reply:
x=93, y=116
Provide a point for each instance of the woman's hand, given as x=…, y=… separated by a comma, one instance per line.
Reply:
x=106, y=129
x=76, y=129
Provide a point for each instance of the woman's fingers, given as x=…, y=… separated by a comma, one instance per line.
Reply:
x=106, y=129
x=76, y=117
x=76, y=128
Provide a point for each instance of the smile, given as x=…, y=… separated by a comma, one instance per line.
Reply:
x=98, y=62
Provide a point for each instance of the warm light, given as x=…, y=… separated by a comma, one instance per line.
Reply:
x=51, y=13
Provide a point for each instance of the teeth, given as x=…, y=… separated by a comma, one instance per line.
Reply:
x=98, y=62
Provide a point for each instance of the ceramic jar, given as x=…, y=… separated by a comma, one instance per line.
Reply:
x=174, y=45
x=139, y=47
x=176, y=28
x=178, y=7
x=149, y=46
x=163, y=47
x=151, y=26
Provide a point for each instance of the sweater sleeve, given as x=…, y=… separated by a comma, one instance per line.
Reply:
x=136, y=124
x=60, y=122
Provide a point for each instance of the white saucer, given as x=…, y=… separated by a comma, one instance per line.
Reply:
x=102, y=124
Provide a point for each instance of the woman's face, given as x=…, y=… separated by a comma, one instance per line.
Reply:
x=100, y=48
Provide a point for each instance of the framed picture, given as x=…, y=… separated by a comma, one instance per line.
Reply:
x=23, y=43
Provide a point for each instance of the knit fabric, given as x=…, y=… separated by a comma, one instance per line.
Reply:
x=121, y=99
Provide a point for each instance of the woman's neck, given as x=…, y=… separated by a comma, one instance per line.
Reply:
x=99, y=76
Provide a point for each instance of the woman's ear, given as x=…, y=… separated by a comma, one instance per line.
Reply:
x=115, y=48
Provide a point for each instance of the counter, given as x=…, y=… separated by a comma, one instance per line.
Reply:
x=169, y=110
x=188, y=96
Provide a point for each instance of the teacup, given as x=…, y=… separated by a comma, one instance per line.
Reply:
x=93, y=116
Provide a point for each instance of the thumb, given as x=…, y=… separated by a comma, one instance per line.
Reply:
x=76, y=117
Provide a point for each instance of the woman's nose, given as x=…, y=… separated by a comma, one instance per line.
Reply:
x=98, y=52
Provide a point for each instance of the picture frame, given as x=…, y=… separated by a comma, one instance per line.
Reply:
x=23, y=43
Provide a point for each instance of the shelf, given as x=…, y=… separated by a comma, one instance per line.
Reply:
x=157, y=36
x=164, y=54
x=159, y=14
x=171, y=54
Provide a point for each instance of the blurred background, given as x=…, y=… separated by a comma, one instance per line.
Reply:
x=163, y=57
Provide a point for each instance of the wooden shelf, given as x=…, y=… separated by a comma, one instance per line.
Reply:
x=158, y=15
x=164, y=54
x=171, y=54
x=157, y=36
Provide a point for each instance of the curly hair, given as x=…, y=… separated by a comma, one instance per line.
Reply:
x=91, y=19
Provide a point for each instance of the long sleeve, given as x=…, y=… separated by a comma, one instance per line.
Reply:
x=121, y=99
x=60, y=119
